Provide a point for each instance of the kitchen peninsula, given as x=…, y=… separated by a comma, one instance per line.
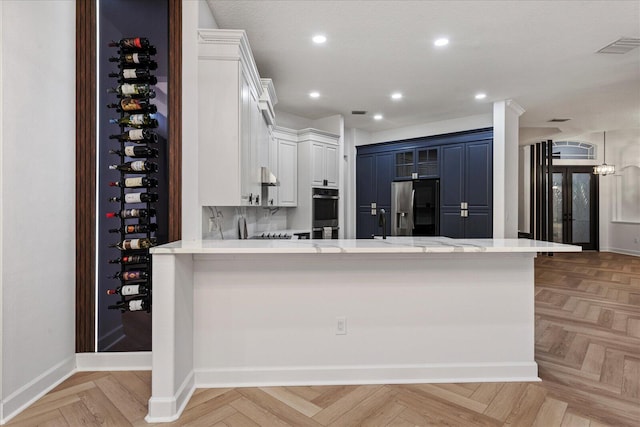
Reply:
x=300, y=312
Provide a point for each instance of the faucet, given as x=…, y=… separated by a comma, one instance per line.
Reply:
x=382, y=222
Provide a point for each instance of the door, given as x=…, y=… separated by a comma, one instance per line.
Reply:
x=575, y=206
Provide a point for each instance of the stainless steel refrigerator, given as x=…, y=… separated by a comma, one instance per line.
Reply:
x=415, y=208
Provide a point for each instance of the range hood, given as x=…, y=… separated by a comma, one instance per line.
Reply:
x=268, y=179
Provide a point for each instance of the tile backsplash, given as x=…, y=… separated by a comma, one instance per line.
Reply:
x=222, y=222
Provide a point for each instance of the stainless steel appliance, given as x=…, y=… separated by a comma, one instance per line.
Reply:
x=415, y=208
x=324, y=213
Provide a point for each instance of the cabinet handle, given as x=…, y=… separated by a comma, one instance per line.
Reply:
x=464, y=213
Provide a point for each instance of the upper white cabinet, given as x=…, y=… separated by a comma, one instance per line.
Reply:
x=284, y=164
x=232, y=135
x=324, y=165
x=319, y=155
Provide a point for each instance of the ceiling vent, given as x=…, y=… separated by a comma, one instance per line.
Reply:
x=620, y=46
x=358, y=112
x=558, y=120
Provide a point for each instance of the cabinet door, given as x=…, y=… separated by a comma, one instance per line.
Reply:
x=479, y=224
x=451, y=177
x=287, y=173
x=273, y=192
x=365, y=195
x=256, y=148
x=478, y=176
x=404, y=163
x=427, y=162
x=452, y=224
x=245, y=141
x=331, y=165
x=317, y=164
x=383, y=178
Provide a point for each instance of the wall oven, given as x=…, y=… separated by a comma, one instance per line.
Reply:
x=324, y=213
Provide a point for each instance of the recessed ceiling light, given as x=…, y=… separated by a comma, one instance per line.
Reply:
x=377, y=117
x=319, y=39
x=396, y=95
x=442, y=41
x=314, y=94
x=481, y=95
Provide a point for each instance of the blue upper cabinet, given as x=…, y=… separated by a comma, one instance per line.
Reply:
x=416, y=163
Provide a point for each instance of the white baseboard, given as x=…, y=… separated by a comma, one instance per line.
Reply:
x=621, y=251
x=164, y=410
x=350, y=375
x=114, y=361
x=28, y=394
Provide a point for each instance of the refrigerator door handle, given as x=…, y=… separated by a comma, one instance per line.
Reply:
x=411, y=211
x=437, y=213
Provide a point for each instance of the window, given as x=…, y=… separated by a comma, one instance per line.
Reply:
x=574, y=150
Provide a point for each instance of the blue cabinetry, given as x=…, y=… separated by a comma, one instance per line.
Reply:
x=416, y=163
x=462, y=161
x=373, y=192
x=466, y=198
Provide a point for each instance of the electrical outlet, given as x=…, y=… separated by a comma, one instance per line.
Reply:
x=341, y=325
x=635, y=240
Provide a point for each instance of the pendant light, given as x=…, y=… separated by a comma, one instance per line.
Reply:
x=604, y=168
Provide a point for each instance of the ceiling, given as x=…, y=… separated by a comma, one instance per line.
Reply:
x=541, y=54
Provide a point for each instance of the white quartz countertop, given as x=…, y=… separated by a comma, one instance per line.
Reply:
x=361, y=246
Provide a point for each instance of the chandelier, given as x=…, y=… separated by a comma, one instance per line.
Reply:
x=604, y=168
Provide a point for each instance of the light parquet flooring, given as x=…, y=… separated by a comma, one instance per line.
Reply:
x=587, y=347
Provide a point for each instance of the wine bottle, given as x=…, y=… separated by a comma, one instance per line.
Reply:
x=137, y=75
x=137, y=166
x=131, y=275
x=133, y=244
x=129, y=58
x=137, y=135
x=136, y=151
x=129, y=290
x=131, y=259
x=129, y=89
x=135, y=304
x=139, y=181
x=132, y=213
x=135, y=228
x=136, y=121
x=132, y=105
x=137, y=198
x=131, y=43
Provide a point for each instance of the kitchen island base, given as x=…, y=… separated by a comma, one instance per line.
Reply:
x=273, y=319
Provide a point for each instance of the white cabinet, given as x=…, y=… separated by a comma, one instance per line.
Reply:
x=324, y=165
x=283, y=161
x=318, y=166
x=288, y=173
x=232, y=136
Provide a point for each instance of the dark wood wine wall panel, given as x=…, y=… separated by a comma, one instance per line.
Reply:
x=175, y=119
x=85, y=173
x=86, y=64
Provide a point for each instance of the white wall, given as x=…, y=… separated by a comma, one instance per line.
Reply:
x=292, y=121
x=435, y=128
x=620, y=193
x=37, y=143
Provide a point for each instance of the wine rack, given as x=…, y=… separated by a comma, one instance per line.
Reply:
x=135, y=207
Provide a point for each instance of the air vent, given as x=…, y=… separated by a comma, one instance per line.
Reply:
x=558, y=120
x=358, y=112
x=620, y=46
